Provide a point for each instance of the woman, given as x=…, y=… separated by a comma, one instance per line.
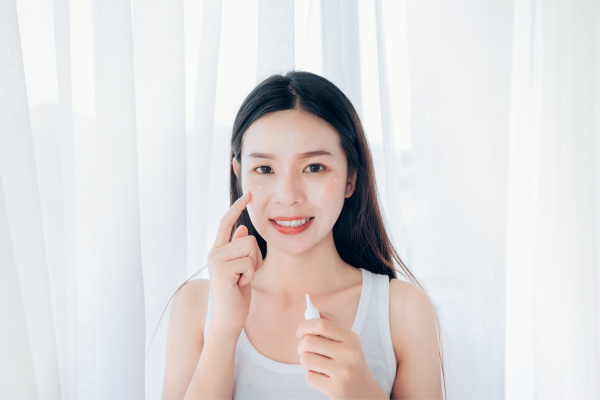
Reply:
x=299, y=153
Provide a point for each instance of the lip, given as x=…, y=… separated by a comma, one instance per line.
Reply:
x=292, y=218
x=291, y=230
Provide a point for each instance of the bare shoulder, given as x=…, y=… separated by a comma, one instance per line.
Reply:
x=415, y=340
x=412, y=315
x=188, y=313
x=185, y=337
x=193, y=298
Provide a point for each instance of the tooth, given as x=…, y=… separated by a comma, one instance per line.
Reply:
x=293, y=223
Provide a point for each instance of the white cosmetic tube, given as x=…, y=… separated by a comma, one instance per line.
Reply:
x=311, y=311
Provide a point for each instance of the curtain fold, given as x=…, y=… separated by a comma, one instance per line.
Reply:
x=459, y=57
x=121, y=322
x=200, y=142
x=275, y=46
x=340, y=47
x=66, y=309
x=483, y=119
x=21, y=49
x=389, y=146
x=524, y=162
x=80, y=135
x=159, y=72
x=553, y=335
x=16, y=364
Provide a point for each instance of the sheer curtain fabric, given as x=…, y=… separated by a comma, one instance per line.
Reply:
x=115, y=119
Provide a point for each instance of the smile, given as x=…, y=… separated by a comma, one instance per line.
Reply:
x=293, y=223
x=292, y=227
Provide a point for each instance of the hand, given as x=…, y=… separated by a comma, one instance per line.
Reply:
x=335, y=363
x=231, y=268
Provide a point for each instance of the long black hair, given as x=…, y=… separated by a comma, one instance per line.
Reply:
x=359, y=233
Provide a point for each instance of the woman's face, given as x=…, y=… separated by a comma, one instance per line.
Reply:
x=286, y=182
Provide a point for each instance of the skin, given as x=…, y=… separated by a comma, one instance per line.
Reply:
x=307, y=263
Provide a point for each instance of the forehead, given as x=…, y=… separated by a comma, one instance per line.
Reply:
x=284, y=133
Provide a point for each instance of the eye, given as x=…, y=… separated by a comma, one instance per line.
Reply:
x=322, y=168
x=262, y=166
x=319, y=165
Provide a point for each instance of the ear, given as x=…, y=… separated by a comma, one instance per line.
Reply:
x=351, y=182
x=236, y=168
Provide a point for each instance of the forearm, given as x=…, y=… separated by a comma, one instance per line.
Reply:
x=374, y=391
x=213, y=378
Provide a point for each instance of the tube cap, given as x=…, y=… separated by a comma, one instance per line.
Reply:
x=311, y=311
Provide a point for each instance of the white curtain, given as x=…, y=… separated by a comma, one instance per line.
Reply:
x=115, y=120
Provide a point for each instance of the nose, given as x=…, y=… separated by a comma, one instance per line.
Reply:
x=289, y=189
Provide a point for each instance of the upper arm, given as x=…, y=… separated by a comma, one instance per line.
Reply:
x=414, y=337
x=185, y=337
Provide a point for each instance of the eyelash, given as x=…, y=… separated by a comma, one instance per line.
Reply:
x=266, y=166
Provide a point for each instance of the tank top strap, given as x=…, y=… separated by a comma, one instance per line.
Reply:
x=383, y=282
x=364, y=301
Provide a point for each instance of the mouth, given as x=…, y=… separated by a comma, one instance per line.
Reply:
x=292, y=230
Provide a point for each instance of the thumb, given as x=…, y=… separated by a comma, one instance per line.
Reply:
x=240, y=232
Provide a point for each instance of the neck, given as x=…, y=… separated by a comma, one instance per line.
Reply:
x=318, y=271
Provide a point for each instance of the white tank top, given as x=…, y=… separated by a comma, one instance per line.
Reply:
x=258, y=377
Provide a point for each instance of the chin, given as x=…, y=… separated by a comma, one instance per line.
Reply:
x=292, y=250
x=290, y=244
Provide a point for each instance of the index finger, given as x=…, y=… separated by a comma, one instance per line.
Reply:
x=229, y=219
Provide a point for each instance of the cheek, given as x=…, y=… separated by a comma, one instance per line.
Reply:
x=329, y=191
x=332, y=198
x=258, y=194
x=249, y=183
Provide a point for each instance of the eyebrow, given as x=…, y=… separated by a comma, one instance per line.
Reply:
x=299, y=156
